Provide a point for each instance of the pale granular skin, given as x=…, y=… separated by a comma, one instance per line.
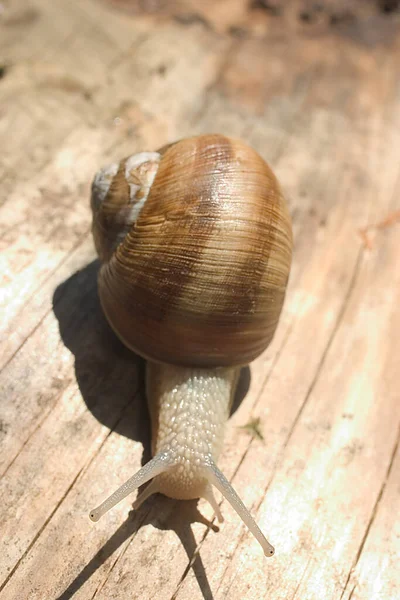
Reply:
x=189, y=408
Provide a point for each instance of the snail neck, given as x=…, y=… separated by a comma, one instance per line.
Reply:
x=189, y=408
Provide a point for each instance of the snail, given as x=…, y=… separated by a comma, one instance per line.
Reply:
x=195, y=242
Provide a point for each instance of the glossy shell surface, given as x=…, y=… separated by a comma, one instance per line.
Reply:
x=198, y=277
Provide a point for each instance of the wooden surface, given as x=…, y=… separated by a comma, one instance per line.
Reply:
x=318, y=95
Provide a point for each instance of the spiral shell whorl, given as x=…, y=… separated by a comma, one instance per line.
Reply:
x=119, y=192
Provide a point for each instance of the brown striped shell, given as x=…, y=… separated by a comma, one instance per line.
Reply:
x=196, y=247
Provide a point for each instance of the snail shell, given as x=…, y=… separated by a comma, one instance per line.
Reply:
x=196, y=274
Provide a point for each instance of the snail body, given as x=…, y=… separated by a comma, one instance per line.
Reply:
x=195, y=243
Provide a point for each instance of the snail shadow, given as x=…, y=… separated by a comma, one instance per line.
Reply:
x=170, y=517
x=111, y=380
x=110, y=377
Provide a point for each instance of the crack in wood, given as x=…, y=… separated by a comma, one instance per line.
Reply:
x=371, y=520
x=79, y=475
x=40, y=531
x=49, y=275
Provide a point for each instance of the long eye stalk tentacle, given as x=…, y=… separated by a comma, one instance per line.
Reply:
x=161, y=463
x=218, y=479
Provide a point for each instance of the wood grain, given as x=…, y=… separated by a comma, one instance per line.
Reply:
x=83, y=83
